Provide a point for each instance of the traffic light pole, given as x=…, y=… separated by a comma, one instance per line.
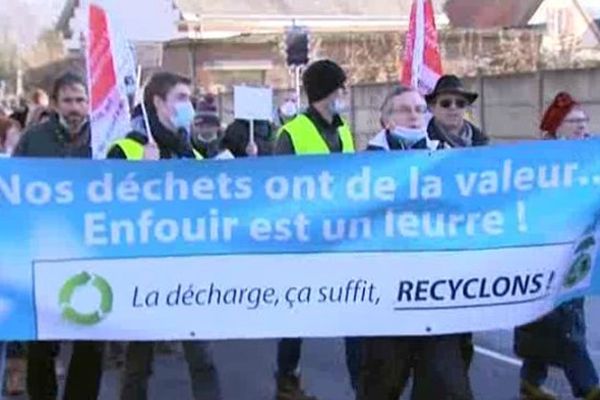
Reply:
x=297, y=69
x=297, y=48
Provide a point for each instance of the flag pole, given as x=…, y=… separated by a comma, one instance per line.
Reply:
x=138, y=83
x=419, y=47
x=111, y=74
x=422, y=64
x=297, y=87
x=84, y=40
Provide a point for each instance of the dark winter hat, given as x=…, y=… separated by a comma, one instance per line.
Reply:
x=451, y=84
x=322, y=78
x=206, y=112
x=557, y=111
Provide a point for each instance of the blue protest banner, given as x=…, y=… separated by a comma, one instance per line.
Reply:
x=413, y=242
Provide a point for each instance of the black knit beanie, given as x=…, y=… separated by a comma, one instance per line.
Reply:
x=322, y=78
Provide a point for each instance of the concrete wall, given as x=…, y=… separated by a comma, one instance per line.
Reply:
x=513, y=105
x=510, y=106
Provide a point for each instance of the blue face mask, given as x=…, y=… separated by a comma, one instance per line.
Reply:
x=183, y=116
x=409, y=136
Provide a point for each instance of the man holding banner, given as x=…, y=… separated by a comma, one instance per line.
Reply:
x=168, y=109
x=319, y=130
x=64, y=136
x=449, y=103
x=436, y=362
x=166, y=121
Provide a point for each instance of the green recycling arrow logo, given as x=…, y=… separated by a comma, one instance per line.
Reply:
x=65, y=296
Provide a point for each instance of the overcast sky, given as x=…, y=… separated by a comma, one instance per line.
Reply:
x=50, y=9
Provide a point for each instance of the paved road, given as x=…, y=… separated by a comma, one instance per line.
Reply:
x=246, y=369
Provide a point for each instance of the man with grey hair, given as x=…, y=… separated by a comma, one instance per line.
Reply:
x=403, y=122
x=439, y=369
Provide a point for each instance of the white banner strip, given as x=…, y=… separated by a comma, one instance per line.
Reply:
x=296, y=295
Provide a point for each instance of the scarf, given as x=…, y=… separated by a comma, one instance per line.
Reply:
x=469, y=136
x=464, y=138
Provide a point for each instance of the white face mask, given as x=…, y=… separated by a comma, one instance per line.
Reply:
x=338, y=106
x=288, y=109
x=408, y=135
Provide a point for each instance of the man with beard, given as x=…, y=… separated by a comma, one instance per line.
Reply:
x=64, y=135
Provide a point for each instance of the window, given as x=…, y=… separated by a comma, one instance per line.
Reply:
x=228, y=78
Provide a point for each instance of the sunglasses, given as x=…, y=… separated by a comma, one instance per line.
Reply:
x=447, y=103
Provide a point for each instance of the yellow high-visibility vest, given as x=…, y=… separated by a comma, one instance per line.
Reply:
x=306, y=138
x=134, y=150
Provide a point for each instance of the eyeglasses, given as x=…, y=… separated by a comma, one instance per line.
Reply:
x=447, y=103
x=405, y=110
x=578, y=121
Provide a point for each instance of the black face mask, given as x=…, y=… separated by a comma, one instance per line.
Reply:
x=263, y=131
x=208, y=148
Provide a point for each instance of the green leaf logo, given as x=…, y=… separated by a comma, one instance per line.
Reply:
x=65, y=296
x=581, y=266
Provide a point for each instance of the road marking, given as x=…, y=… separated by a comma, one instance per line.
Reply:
x=498, y=356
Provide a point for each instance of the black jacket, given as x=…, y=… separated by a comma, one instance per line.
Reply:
x=237, y=136
x=52, y=140
x=21, y=115
x=479, y=138
x=554, y=337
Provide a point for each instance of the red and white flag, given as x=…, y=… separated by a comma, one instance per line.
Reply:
x=111, y=78
x=422, y=60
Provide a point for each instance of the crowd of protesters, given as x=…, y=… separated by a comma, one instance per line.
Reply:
x=181, y=127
